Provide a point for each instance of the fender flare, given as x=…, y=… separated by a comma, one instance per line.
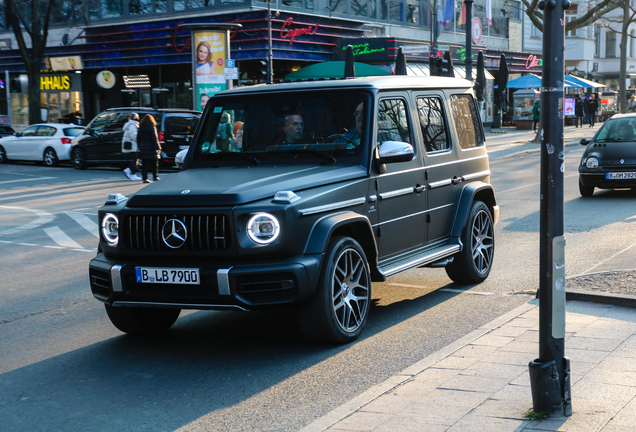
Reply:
x=351, y=224
x=479, y=191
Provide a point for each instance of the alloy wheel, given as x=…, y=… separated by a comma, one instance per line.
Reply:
x=482, y=245
x=350, y=290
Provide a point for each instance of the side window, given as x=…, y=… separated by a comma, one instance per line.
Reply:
x=393, y=124
x=46, y=131
x=432, y=123
x=30, y=131
x=467, y=121
x=109, y=122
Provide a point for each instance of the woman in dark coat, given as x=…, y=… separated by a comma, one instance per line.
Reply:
x=149, y=148
x=579, y=111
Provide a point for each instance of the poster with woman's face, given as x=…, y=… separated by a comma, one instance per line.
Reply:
x=209, y=63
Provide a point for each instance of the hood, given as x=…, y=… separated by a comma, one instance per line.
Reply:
x=227, y=186
x=611, y=153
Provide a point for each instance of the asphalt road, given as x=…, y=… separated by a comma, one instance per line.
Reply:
x=63, y=366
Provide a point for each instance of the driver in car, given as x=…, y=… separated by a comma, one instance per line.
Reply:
x=623, y=132
x=294, y=129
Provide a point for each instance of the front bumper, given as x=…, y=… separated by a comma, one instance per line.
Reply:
x=598, y=180
x=222, y=285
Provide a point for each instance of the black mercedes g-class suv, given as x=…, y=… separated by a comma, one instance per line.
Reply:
x=334, y=185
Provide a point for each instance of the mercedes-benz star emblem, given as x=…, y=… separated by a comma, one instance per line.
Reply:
x=174, y=233
x=186, y=191
x=622, y=161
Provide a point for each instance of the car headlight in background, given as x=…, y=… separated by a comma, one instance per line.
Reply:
x=263, y=228
x=591, y=162
x=110, y=229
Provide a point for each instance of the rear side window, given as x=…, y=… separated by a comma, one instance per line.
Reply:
x=73, y=131
x=432, y=124
x=109, y=122
x=466, y=119
x=181, y=124
x=46, y=131
x=392, y=121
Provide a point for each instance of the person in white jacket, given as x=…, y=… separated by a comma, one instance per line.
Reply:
x=130, y=136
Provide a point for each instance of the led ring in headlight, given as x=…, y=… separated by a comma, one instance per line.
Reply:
x=110, y=229
x=263, y=228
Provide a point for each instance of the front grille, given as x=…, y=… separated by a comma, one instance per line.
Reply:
x=205, y=232
x=267, y=288
x=100, y=282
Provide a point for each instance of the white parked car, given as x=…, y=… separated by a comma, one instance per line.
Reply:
x=45, y=142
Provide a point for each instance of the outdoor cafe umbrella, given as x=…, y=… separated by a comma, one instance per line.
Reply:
x=400, y=63
x=502, y=82
x=481, y=76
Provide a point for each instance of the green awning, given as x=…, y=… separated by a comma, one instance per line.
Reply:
x=334, y=69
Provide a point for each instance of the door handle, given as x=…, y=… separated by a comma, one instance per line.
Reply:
x=455, y=180
x=419, y=189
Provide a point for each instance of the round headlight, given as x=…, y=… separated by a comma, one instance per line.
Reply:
x=110, y=229
x=592, y=162
x=263, y=228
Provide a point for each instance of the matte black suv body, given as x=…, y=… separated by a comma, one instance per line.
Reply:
x=100, y=144
x=336, y=184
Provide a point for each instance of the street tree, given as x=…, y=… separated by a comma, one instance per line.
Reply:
x=30, y=20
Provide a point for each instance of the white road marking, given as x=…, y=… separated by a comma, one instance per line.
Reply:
x=60, y=237
x=43, y=218
x=458, y=291
x=25, y=180
x=27, y=244
x=85, y=222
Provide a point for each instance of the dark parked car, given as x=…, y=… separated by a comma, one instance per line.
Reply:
x=6, y=131
x=335, y=185
x=609, y=161
x=100, y=144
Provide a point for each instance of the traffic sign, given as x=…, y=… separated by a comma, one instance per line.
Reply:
x=230, y=73
x=229, y=63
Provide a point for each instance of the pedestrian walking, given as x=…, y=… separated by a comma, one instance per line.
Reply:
x=149, y=148
x=579, y=111
x=631, y=104
x=592, y=107
x=129, y=145
x=536, y=114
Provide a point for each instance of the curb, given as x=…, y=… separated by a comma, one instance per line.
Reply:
x=624, y=300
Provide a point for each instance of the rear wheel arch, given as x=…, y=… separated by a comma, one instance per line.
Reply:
x=475, y=191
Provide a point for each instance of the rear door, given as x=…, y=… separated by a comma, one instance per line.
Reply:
x=178, y=129
x=442, y=169
x=105, y=134
x=18, y=148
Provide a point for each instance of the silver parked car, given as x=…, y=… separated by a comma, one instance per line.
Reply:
x=49, y=143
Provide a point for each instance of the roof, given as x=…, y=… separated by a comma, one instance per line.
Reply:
x=369, y=83
x=148, y=109
x=58, y=125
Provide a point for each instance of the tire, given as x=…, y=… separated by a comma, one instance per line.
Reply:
x=134, y=320
x=585, y=191
x=78, y=158
x=3, y=155
x=339, y=310
x=50, y=158
x=474, y=262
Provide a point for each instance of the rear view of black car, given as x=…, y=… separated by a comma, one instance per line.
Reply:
x=100, y=144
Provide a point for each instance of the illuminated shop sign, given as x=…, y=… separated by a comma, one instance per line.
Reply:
x=54, y=83
x=288, y=33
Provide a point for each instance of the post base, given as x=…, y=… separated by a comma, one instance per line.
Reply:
x=547, y=395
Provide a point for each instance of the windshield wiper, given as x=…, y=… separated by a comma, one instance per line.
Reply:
x=323, y=155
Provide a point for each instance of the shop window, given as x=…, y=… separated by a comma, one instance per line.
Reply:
x=469, y=132
x=431, y=115
x=112, y=8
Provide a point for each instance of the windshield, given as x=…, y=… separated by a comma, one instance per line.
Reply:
x=292, y=127
x=617, y=130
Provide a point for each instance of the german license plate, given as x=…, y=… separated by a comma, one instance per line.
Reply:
x=621, y=175
x=166, y=275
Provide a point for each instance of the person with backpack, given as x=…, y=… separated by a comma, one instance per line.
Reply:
x=129, y=145
x=224, y=134
x=149, y=147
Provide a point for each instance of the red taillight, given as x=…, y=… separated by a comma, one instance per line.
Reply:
x=160, y=138
x=66, y=140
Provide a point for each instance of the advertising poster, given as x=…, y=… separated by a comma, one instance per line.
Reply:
x=569, y=106
x=208, y=58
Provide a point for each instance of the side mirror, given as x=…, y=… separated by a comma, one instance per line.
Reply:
x=18, y=134
x=395, y=151
x=585, y=142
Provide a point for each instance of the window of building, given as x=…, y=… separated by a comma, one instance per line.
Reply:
x=571, y=15
x=534, y=32
x=360, y=7
x=338, y=6
x=195, y=4
x=112, y=8
x=139, y=7
x=413, y=11
x=631, y=44
x=610, y=44
x=466, y=121
x=597, y=41
x=396, y=10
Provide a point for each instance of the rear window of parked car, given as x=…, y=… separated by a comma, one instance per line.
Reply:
x=181, y=124
x=72, y=131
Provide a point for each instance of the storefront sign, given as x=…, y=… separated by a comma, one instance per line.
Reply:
x=106, y=79
x=533, y=61
x=476, y=31
x=287, y=33
x=64, y=63
x=421, y=50
x=56, y=83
